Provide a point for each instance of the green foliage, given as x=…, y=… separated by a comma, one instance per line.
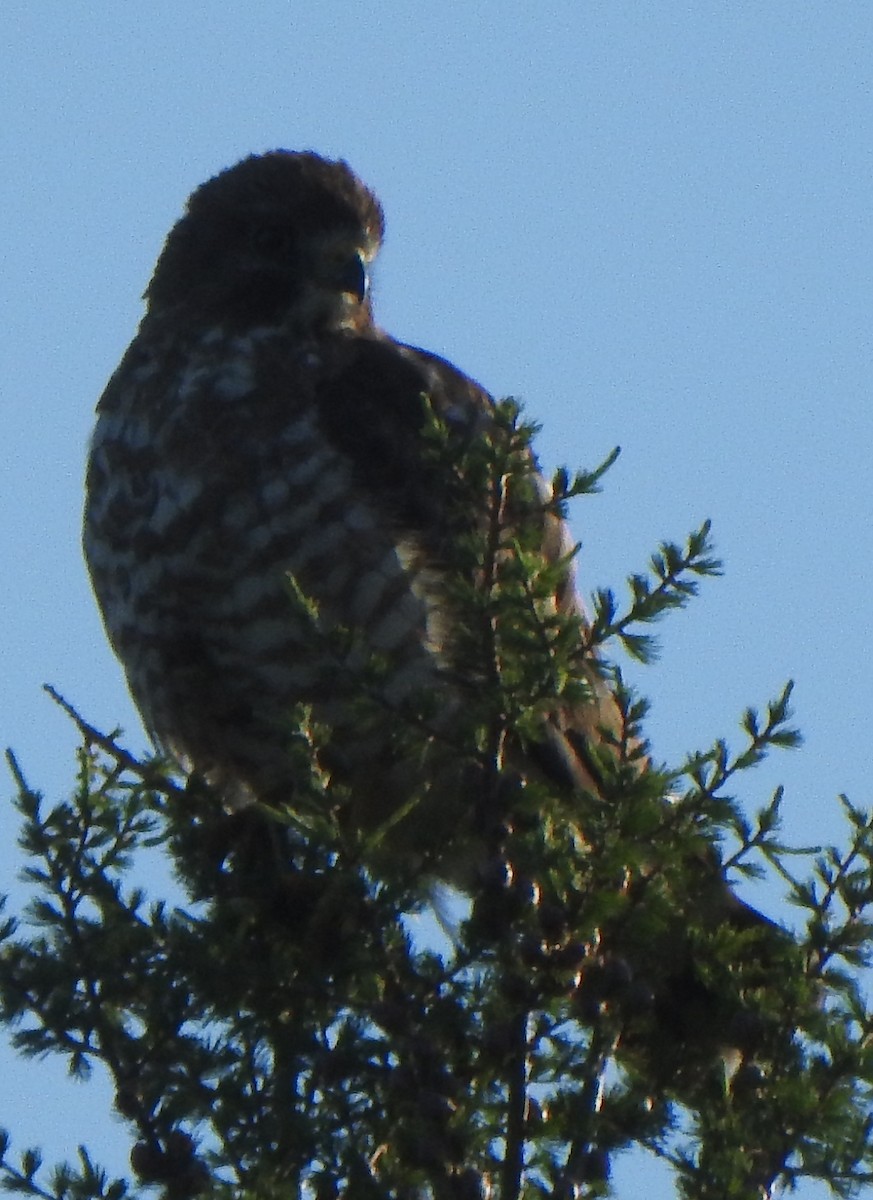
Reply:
x=281, y=1033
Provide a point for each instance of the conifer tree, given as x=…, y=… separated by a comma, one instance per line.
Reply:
x=280, y=1031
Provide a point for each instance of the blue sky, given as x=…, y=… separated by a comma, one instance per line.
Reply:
x=650, y=222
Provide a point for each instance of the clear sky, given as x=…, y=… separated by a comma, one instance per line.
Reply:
x=651, y=222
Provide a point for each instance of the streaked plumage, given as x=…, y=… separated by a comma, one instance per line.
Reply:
x=261, y=426
x=260, y=476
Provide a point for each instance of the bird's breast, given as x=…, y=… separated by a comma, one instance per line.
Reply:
x=232, y=548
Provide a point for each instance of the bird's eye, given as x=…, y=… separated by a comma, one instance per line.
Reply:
x=271, y=241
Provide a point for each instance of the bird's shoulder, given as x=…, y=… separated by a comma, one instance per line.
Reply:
x=375, y=399
x=212, y=395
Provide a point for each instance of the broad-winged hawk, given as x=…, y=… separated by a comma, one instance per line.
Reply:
x=263, y=431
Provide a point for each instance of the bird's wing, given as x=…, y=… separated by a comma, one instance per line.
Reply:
x=374, y=405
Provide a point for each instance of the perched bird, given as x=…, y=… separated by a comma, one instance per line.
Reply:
x=273, y=529
x=262, y=436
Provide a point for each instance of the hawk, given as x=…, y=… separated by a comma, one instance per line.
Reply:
x=273, y=541
x=262, y=433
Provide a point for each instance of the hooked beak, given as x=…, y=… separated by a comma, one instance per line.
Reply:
x=352, y=277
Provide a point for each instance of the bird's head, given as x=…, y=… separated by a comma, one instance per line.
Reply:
x=280, y=237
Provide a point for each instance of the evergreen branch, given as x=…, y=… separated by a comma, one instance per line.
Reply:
x=293, y=1026
x=152, y=773
x=711, y=771
x=670, y=567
